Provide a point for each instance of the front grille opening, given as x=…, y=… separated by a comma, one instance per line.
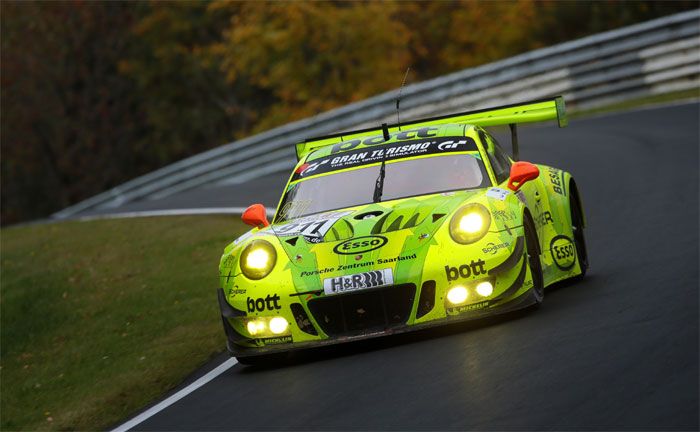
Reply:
x=426, y=302
x=363, y=311
x=302, y=319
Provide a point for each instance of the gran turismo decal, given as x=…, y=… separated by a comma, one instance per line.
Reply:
x=464, y=271
x=360, y=245
x=372, y=279
x=388, y=152
x=269, y=303
x=492, y=248
x=563, y=252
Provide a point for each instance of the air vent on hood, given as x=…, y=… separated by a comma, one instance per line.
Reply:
x=437, y=217
x=368, y=215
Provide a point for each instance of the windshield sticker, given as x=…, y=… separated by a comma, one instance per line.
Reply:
x=311, y=227
x=497, y=193
x=388, y=152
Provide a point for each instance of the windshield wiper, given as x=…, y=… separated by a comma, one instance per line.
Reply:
x=379, y=184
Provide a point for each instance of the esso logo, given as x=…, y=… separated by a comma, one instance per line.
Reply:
x=360, y=245
x=563, y=252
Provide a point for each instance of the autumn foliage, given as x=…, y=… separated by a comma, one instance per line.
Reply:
x=96, y=93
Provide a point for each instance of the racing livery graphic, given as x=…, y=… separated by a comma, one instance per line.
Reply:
x=385, y=230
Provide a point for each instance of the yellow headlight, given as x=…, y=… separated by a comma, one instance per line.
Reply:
x=484, y=289
x=470, y=223
x=258, y=259
x=457, y=295
x=278, y=325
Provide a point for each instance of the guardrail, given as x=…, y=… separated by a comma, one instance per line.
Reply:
x=654, y=57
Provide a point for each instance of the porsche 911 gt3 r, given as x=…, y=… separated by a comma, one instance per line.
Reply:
x=402, y=227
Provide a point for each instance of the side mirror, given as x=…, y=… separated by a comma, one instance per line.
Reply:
x=255, y=215
x=521, y=173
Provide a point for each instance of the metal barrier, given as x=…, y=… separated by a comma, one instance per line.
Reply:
x=654, y=57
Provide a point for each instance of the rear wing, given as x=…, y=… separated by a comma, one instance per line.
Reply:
x=525, y=112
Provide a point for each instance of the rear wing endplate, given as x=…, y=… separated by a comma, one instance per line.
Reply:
x=525, y=112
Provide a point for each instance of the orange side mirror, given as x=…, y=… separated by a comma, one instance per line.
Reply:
x=521, y=173
x=255, y=215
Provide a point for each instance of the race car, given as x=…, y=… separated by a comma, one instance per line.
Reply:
x=386, y=230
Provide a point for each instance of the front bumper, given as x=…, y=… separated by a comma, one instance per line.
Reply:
x=329, y=320
x=236, y=350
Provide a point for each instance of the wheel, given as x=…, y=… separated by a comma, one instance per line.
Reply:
x=577, y=228
x=533, y=257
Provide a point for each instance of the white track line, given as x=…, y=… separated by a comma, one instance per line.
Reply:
x=223, y=367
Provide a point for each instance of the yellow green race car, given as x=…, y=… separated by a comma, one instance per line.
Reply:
x=385, y=230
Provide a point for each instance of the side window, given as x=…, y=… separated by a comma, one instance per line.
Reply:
x=499, y=161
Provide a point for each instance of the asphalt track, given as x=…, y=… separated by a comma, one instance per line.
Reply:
x=616, y=351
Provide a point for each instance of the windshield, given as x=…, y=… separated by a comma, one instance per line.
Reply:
x=403, y=178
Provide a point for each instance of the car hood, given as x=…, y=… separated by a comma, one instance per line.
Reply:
x=383, y=235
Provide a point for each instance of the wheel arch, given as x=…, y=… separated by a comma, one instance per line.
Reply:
x=575, y=195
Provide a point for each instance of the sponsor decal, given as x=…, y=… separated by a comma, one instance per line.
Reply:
x=543, y=219
x=371, y=279
x=492, y=248
x=395, y=150
x=317, y=272
x=556, y=179
x=497, y=193
x=503, y=215
x=269, y=303
x=563, y=252
x=398, y=258
x=359, y=265
x=274, y=340
x=469, y=307
x=360, y=245
x=310, y=227
x=474, y=268
x=236, y=291
x=425, y=132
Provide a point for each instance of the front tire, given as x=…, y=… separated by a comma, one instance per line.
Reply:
x=577, y=228
x=534, y=263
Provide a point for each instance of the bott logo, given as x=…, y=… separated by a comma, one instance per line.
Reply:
x=360, y=245
x=474, y=268
x=261, y=304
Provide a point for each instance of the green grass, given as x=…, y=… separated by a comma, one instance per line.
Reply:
x=100, y=318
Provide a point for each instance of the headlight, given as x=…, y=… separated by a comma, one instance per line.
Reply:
x=258, y=259
x=470, y=223
x=484, y=289
x=457, y=295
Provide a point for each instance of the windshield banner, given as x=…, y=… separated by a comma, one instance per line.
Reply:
x=388, y=152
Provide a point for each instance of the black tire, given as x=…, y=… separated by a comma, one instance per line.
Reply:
x=577, y=228
x=534, y=263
